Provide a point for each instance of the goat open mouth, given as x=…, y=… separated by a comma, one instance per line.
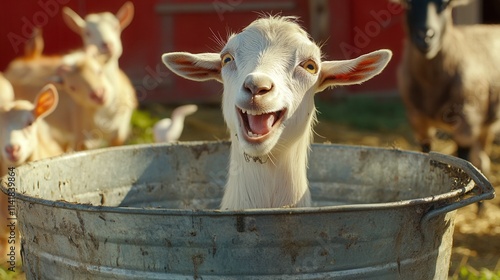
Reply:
x=256, y=126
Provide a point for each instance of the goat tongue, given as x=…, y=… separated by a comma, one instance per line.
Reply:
x=261, y=124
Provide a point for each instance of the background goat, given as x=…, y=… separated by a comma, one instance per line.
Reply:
x=25, y=136
x=104, y=30
x=170, y=129
x=81, y=85
x=448, y=79
x=271, y=72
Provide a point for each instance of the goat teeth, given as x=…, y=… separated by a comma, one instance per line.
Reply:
x=251, y=134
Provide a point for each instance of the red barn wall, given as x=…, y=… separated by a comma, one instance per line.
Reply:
x=353, y=27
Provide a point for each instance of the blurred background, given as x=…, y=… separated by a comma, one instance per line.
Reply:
x=347, y=28
x=369, y=114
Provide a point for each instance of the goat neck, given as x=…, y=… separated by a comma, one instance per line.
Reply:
x=276, y=180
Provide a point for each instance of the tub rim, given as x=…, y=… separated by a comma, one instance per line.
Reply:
x=478, y=186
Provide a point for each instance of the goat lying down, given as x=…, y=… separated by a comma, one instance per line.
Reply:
x=270, y=72
x=449, y=79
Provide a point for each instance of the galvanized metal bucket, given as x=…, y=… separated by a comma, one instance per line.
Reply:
x=148, y=212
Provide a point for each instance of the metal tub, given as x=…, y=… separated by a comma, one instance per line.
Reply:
x=149, y=212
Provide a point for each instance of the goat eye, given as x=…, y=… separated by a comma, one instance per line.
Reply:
x=226, y=59
x=29, y=123
x=310, y=66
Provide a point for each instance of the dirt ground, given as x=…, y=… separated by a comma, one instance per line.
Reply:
x=476, y=237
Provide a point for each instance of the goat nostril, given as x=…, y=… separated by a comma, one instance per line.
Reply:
x=258, y=90
x=265, y=89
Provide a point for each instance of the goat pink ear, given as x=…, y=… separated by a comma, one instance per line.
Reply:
x=354, y=71
x=73, y=20
x=196, y=67
x=46, y=101
x=125, y=14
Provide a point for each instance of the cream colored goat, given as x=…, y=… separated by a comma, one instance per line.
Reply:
x=271, y=72
x=82, y=91
x=170, y=129
x=25, y=136
x=6, y=91
x=103, y=30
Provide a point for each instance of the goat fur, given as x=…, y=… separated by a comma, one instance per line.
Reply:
x=81, y=84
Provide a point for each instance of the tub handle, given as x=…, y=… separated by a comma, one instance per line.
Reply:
x=483, y=188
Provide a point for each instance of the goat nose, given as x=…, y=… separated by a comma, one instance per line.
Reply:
x=426, y=34
x=98, y=95
x=258, y=84
x=12, y=149
x=99, y=92
x=106, y=46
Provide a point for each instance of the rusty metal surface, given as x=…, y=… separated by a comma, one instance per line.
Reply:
x=149, y=212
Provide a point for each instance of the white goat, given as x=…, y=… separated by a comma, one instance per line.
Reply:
x=170, y=129
x=448, y=79
x=271, y=72
x=6, y=91
x=25, y=135
x=103, y=30
x=82, y=91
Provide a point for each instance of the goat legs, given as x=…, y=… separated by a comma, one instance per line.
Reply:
x=422, y=129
